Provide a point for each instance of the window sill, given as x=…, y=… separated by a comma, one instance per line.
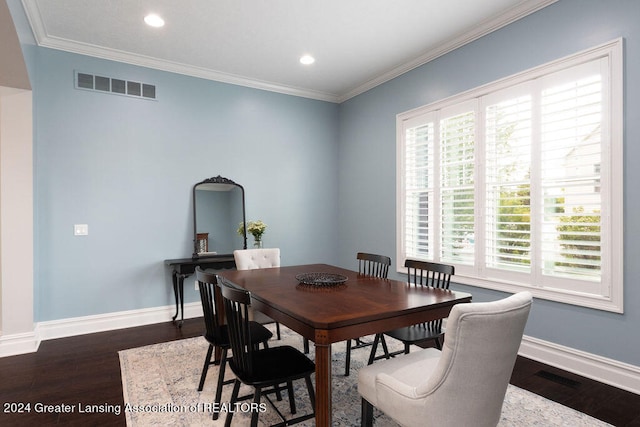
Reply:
x=613, y=304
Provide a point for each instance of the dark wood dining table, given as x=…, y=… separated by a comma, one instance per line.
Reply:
x=361, y=306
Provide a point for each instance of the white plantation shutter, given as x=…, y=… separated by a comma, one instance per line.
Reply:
x=508, y=141
x=419, y=190
x=518, y=183
x=571, y=160
x=457, y=165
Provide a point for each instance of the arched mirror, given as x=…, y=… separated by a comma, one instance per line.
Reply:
x=218, y=211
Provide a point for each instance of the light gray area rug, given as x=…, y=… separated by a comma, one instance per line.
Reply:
x=160, y=388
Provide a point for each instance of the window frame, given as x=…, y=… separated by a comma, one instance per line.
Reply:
x=610, y=297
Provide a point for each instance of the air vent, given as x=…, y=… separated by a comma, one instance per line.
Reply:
x=558, y=379
x=117, y=86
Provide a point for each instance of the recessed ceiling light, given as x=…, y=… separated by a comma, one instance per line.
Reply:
x=154, y=20
x=307, y=60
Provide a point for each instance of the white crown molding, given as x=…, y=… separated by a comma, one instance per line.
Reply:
x=43, y=39
x=177, y=68
x=520, y=11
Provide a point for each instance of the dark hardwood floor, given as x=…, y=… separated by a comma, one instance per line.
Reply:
x=85, y=370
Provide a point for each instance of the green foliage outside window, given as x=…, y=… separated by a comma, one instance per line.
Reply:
x=579, y=232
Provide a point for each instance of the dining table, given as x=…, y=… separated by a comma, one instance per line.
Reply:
x=348, y=306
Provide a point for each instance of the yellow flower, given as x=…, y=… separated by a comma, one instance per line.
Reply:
x=256, y=228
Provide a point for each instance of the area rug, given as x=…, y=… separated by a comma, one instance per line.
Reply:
x=160, y=382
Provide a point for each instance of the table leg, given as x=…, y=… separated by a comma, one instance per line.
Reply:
x=323, y=381
x=178, y=292
x=174, y=278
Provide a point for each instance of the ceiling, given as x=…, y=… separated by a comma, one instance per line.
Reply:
x=358, y=44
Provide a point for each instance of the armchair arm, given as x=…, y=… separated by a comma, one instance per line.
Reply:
x=386, y=384
x=400, y=401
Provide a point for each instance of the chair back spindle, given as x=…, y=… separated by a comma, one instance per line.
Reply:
x=373, y=265
x=423, y=273
x=236, y=306
x=207, y=283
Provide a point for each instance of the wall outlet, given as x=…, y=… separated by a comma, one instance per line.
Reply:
x=80, y=230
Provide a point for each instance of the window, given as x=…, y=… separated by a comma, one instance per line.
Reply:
x=519, y=183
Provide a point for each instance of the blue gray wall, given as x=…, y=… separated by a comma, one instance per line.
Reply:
x=322, y=176
x=126, y=167
x=367, y=191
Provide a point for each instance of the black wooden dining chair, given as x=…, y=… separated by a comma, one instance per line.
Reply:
x=419, y=273
x=373, y=265
x=217, y=334
x=265, y=370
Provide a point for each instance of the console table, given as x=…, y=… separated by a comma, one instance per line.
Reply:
x=185, y=267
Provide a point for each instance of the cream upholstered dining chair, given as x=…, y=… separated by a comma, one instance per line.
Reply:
x=252, y=259
x=462, y=385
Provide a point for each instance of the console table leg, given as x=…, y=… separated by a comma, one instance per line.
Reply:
x=181, y=292
x=174, y=277
x=178, y=292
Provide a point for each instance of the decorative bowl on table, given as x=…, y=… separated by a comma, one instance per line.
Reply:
x=321, y=279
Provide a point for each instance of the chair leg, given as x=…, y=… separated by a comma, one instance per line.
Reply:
x=438, y=344
x=292, y=400
x=347, y=362
x=374, y=348
x=406, y=348
x=366, y=416
x=232, y=402
x=387, y=355
x=254, y=410
x=276, y=388
x=278, y=330
x=379, y=338
x=223, y=365
x=312, y=392
x=305, y=344
x=205, y=368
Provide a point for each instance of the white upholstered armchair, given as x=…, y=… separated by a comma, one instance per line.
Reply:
x=462, y=385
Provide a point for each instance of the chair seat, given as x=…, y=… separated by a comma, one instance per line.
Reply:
x=275, y=365
x=261, y=369
x=259, y=334
x=403, y=368
x=415, y=333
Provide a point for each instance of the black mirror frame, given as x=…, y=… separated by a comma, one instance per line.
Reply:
x=216, y=180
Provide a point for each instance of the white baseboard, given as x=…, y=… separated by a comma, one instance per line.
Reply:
x=12, y=345
x=111, y=321
x=608, y=371
x=602, y=369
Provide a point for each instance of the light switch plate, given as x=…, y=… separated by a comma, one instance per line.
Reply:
x=80, y=230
